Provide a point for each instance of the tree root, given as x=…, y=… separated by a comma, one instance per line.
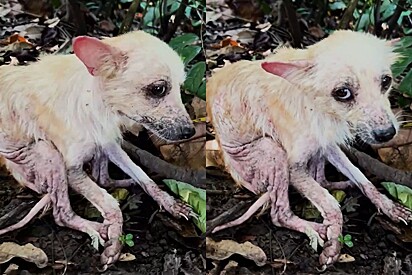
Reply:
x=156, y=165
x=380, y=169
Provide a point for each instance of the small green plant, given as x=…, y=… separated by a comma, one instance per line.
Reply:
x=347, y=240
x=127, y=239
x=186, y=45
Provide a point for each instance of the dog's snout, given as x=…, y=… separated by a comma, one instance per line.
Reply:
x=385, y=134
x=187, y=132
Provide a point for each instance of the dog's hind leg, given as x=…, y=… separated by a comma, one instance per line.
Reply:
x=40, y=166
x=263, y=165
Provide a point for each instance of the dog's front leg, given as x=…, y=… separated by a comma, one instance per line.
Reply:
x=100, y=172
x=123, y=161
x=328, y=207
x=107, y=205
x=317, y=170
x=393, y=210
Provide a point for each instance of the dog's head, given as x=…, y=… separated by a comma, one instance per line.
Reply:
x=348, y=76
x=139, y=77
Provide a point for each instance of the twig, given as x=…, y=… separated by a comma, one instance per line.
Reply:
x=293, y=23
x=165, y=169
x=377, y=15
x=396, y=146
x=178, y=19
x=394, y=19
x=128, y=20
x=225, y=216
x=380, y=169
x=347, y=16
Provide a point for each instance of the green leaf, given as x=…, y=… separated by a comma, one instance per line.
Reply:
x=120, y=194
x=403, y=14
x=401, y=65
x=195, y=197
x=201, y=93
x=188, y=53
x=339, y=195
x=406, y=85
x=129, y=237
x=347, y=238
x=182, y=41
x=349, y=243
x=194, y=80
x=400, y=192
x=337, y=6
x=340, y=238
x=387, y=9
x=129, y=243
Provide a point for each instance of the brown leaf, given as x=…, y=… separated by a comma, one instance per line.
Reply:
x=226, y=248
x=28, y=252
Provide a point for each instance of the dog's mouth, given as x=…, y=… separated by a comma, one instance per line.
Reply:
x=167, y=129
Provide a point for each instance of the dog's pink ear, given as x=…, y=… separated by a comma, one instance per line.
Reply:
x=283, y=69
x=94, y=53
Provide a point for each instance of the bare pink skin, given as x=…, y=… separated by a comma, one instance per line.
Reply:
x=262, y=164
x=119, y=157
x=100, y=173
x=40, y=167
x=394, y=211
x=317, y=170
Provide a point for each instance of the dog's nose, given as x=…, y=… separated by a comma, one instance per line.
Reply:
x=187, y=132
x=385, y=134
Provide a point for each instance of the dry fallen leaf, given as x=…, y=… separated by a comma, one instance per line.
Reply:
x=396, y=156
x=226, y=248
x=28, y=252
x=227, y=269
x=127, y=257
x=189, y=154
x=345, y=258
x=11, y=269
x=214, y=156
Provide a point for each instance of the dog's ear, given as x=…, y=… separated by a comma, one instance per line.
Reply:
x=286, y=70
x=98, y=57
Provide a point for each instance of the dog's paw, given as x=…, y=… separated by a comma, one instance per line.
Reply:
x=330, y=253
x=111, y=253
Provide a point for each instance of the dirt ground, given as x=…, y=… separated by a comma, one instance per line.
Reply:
x=377, y=248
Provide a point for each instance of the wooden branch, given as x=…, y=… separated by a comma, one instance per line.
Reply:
x=380, y=169
x=294, y=26
x=377, y=15
x=225, y=216
x=393, y=22
x=163, y=168
x=348, y=15
x=128, y=20
x=180, y=13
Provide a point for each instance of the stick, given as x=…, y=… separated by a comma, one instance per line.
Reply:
x=165, y=169
x=380, y=169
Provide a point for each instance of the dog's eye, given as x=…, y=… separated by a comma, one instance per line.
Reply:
x=342, y=94
x=386, y=82
x=158, y=89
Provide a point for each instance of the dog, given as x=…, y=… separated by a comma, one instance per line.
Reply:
x=66, y=110
x=278, y=120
